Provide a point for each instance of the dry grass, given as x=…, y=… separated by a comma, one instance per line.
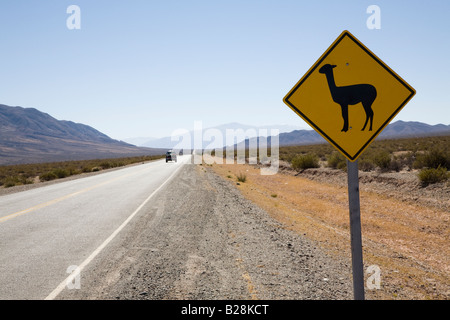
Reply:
x=21, y=174
x=408, y=241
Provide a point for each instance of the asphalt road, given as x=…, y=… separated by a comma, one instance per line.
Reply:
x=45, y=232
x=200, y=239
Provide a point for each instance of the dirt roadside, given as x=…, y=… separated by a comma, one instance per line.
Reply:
x=405, y=227
x=199, y=238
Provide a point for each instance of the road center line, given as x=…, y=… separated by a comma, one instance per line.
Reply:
x=72, y=276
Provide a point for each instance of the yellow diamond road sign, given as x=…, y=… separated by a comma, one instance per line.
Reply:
x=349, y=96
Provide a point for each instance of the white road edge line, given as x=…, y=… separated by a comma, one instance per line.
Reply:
x=72, y=276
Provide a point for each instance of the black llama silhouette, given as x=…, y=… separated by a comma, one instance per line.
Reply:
x=350, y=95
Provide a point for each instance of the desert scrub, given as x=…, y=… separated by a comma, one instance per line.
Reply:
x=335, y=159
x=57, y=173
x=18, y=174
x=48, y=176
x=433, y=175
x=434, y=158
x=61, y=173
x=106, y=165
x=366, y=165
x=241, y=177
x=301, y=162
x=395, y=165
x=16, y=181
x=382, y=160
x=404, y=160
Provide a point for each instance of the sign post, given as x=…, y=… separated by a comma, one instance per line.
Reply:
x=355, y=230
x=349, y=96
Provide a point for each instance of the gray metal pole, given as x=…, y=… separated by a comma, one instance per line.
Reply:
x=355, y=230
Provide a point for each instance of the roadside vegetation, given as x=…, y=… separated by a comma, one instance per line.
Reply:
x=305, y=161
x=429, y=155
x=22, y=174
x=241, y=177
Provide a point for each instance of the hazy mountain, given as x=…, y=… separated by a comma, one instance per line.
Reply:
x=217, y=136
x=28, y=135
x=299, y=137
x=139, y=141
x=398, y=129
x=413, y=129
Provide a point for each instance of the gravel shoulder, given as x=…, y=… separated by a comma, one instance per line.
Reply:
x=200, y=239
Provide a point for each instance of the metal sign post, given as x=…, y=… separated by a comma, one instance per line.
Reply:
x=355, y=230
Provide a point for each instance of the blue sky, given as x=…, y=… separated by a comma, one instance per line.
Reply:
x=146, y=68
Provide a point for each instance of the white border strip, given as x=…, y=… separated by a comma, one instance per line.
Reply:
x=72, y=276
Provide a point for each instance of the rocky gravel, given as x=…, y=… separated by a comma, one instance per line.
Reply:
x=200, y=239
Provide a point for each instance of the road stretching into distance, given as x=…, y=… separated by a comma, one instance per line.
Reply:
x=44, y=231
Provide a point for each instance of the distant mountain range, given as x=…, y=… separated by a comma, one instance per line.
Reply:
x=186, y=140
x=28, y=135
x=405, y=129
x=398, y=129
x=287, y=136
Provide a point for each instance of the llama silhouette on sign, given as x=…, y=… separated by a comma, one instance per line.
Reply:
x=350, y=95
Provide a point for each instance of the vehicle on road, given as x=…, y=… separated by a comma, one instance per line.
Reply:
x=171, y=156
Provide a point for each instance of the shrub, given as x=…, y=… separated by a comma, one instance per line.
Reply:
x=241, y=177
x=61, y=173
x=395, y=165
x=86, y=169
x=306, y=161
x=106, y=165
x=342, y=166
x=382, y=160
x=335, y=159
x=432, y=159
x=48, y=176
x=16, y=180
x=433, y=175
x=405, y=160
x=74, y=171
x=8, y=183
x=366, y=165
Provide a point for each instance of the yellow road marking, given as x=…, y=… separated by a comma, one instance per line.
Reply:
x=48, y=203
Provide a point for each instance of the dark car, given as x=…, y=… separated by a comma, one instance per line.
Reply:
x=171, y=156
